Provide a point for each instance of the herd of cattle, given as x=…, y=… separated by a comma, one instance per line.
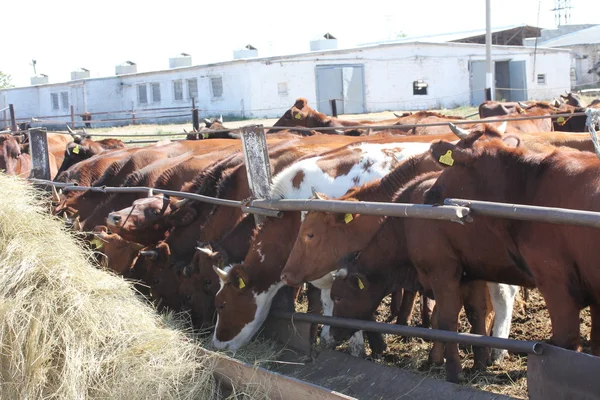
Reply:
x=214, y=262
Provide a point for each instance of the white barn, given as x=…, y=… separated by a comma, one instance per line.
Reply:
x=373, y=78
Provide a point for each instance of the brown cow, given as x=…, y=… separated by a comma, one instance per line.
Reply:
x=495, y=108
x=564, y=269
x=115, y=253
x=334, y=173
x=83, y=149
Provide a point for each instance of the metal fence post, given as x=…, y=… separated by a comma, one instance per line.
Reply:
x=38, y=147
x=13, y=121
x=195, y=118
x=333, y=104
x=72, y=117
x=258, y=167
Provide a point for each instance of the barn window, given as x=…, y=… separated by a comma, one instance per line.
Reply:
x=420, y=88
x=155, y=92
x=64, y=99
x=142, y=94
x=192, y=85
x=216, y=86
x=54, y=98
x=541, y=79
x=178, y=89
x=282, y=89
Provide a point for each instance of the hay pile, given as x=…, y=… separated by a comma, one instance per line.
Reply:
x=69, y=330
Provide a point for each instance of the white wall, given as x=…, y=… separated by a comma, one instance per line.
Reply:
x=250, y=87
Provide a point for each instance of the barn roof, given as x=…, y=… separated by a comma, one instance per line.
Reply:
x=584, y=36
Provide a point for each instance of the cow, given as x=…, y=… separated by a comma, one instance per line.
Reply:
x=495, y=108
x=564, y=268
x=87, y=117
x=248, y=289
x=112, y=251
x=572, y=99
x=13, y=161
x=82, y=149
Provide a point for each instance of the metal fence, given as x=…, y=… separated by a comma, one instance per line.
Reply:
x=551, y=372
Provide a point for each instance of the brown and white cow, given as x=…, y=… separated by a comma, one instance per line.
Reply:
x=248, y=289
x=560, y=258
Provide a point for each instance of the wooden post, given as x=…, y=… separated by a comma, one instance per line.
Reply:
x=72, y=117
x=333, y=104
x=195, y=118
x=38, y=148
x=258, y=167
x=13, y=121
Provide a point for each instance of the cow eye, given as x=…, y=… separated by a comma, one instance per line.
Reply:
x=155, y=211
x=207, y=283
x=310, y=235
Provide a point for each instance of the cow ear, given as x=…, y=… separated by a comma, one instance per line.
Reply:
x=448, y=154
x=182, y=217
x=511, y=141
x=346, y=218
x=240, y=279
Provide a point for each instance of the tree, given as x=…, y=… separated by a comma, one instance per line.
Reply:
x=5, y=81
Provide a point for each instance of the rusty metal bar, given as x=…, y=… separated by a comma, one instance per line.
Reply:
x=551, y=215
x=258, y=166
x=40, y=161
x=517, y=346
x=72, y=117
x=195, y=117
x=13, y=122
x=456, y=214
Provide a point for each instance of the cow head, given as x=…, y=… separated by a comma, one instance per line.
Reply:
x=10, y=151
x=463, y=161
x=200, y=283
x=74, y=153
x=145, y=221
x=300, y=114
x=153, y=263
x=114, y=252
x=323, y=239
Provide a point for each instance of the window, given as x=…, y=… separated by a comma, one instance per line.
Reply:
x=419, y=88
x=64, y=99
x=155, y=92
x=282, y=89
x=192, y=85
x=142, y=94
x=541, y=79
x=178, y=90
x=216, y=86
x=54, y=98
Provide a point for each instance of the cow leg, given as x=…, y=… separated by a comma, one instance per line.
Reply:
x=564, y=312
x=446, y=291
x=313, y=296
x=327, y=339
x=356, y=344
x=406, y=307
x=595, y=336
x=479, y=311
x=427, y=306
x=376, y=343
x=436, y=354
x=503, y=300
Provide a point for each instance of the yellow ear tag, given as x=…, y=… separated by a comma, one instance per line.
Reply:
x=348, y=218
x=361, y=285
x=561, y=120
x=242, y=284
x=76, y=150
x=298, y=116
x=97, y=243
x=205, y=136
x=447, y=158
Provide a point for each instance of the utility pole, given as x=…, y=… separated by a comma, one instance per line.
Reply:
x=489, y=77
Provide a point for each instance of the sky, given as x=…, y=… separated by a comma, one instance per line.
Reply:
x=64, y=35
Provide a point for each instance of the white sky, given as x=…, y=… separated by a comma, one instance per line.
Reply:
x=64, y=35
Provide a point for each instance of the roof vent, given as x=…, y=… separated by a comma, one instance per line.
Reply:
x=81, y=73
x=326, y=42
x=39, y=79
x=128, y=67
x=248, y=51
x=180, y=60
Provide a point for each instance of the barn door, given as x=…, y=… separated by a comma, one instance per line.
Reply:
x=477, y=77
x=78, y=99
x=329, y=86
x=518, y=80
x=344, y=83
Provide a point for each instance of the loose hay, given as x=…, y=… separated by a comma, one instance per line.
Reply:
x=69, y=330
